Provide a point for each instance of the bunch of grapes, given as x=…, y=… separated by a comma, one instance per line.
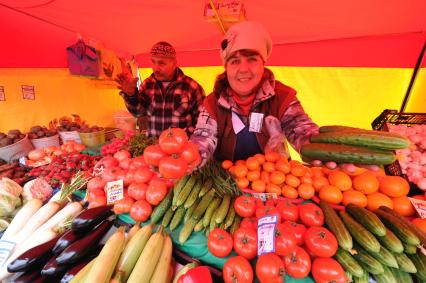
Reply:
x=117, y=144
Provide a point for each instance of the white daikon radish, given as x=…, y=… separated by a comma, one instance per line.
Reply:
x=21, y=218
x=38, y=219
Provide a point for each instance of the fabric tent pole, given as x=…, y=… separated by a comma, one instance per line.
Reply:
x=413, y=78
x=217, y=17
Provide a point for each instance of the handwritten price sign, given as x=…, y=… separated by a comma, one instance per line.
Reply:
x=420, y=206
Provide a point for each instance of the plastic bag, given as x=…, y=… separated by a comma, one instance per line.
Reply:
x=277, y=141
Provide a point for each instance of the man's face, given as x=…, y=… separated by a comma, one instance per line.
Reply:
x=163, y=68
x=244, y=72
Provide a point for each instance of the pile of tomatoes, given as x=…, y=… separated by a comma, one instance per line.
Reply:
x=174, y=155
x=302, y=244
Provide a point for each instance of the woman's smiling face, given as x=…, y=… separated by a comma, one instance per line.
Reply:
x=244, y=71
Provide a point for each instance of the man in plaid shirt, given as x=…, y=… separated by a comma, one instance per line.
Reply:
x=168, y=98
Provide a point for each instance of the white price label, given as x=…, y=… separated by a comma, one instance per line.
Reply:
x=114, y=191
x=6, y=248
x=420, y=206
x=266, y=228
x=256, y=121
x=265, y=196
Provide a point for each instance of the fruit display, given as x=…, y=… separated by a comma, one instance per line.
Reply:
x=15, y=172
x=66, y=124
x=90, y=129
x=37, y=132
x=11, y=137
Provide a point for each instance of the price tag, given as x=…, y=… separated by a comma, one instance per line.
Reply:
x=265, y=196
x=256, y=121
x=420, y=206
x=266, y=227
x=6, y=248
x=114, y=191
x=23, y=160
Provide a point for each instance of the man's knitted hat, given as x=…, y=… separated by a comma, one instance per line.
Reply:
x=163, y=49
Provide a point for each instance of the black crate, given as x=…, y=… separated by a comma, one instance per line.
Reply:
x=396, y=118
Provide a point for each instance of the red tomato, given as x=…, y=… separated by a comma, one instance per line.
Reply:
x=140, y=211
x=97, y=201
x=297, y=229
x=128, y=179
x=94, y=193
x=245, y=242
x=311, y=215
x=108, y=161
x=245, y=206
x=172, y=168
x=96, y=183
x=249, y=222
x=125, y=163
x=325, y=270
x=137, y=162
x=156, y=191
x=173, y=140
x=288, y=210
x=285, y=241
x=110, y=174
x=137, y=191
x=190, y=153
x=123, y=205
x=310, y=253
x=142, y=175
x=219, y=242
x=237, y=269
x=259, y=202
x=267, y=210
x=298, y=263
x=270, y=268
x=321, y=241
x=153, y=154
x=122, y=154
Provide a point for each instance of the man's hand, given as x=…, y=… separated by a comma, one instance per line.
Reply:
x=127, y=83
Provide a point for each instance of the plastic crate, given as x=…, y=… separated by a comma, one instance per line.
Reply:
x=396, y=118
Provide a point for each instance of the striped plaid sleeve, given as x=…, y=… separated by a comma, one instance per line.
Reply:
x=137, y=103
x=198, y=96
x=205, y=135
x=297, y=125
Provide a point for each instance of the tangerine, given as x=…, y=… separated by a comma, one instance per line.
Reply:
x=375, y=200
x=340, y=179
x=331, y=194
x=393, y=186
x=354, y=197
x=366, y=183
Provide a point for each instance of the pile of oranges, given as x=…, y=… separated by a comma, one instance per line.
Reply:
x=272, y=173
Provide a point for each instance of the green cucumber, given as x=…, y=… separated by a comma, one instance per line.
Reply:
x=187, y=230
x=199, y=226
x=193, y=196
x=229, y=216
x=223, y=209
x=167, y=217
x=202, y=205
x=363, y=279
x=404, y=263
x=401, y=276
x=391, y=242
x=186, y=191
x=180, y=184
x=235, y=225
x=177, y=217
x=207, y=185
x=419, y=261
x=162, y=208
x=190, y=210
x=385, y=277
x=349, y=263
x=385, y=257
x=409, y=249
x=210, y=210
x=369, y=263
x=367, y=219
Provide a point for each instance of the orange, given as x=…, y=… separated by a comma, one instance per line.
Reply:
x=226, y=164
x=272, y=156
x=319, y=182
x=289, y=192
x=366, y=183
x=252, y=163
x=306, y=179
x=282, y=166
x=277, y=177
x=298, y=170
x=317, y=172
x=260, y=157
x=420, y=223
x=265, y=177
x=393, y=186
x=340, y=179
x=306, y=191
x=403, y=206
x=331, y=194
x=258, y=186
x=375, y=200
x=294, y=163
x=292, y=180
x=240, y=162
x=268, y=166
x=240, y=171
x=354, y=197
x=253, y=175
x=272, y=188
x=242, y=183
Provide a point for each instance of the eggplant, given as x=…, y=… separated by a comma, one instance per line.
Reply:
x=91, y=217
x=80, y=248
x=52, y=269
x=67, y=239
x=26, y=277
x=35, y=256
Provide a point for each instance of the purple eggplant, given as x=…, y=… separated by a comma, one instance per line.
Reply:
x=52, y=269
x=32, y=257
x=26, y=277
x=79, y=249
x=91, y=217
x=67, y=239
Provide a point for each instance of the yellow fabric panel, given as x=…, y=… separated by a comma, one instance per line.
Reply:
x=57, y=93
x=417, y=100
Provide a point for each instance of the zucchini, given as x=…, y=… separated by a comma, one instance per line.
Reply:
x=401, y=276
x=419, y=261
x=409, y=249
x=395, y=224
x=147, y=261
x=419, y=233
x=335, y=224
x=177, y=217
x=367, y=219
x=373, y=139
x=385, y=277
x=210, y=210
x=369, y=263
x=161, y=209
x=184, y=192
x=363, y=279
x=346, y=154
x=361, y=235
x=391, y=242
x=385, y=257
x=349, y=263
x=405, y=264
x=180, y=184
x=193, y=196
x=190, y=210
